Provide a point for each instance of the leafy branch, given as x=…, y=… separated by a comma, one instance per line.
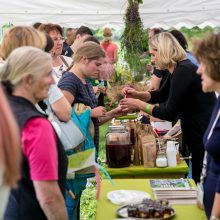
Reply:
x=133, y=39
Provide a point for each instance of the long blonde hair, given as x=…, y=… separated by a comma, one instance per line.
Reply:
x=89, y=49
x=18, y=36
x=10, y=150
x=169, y=51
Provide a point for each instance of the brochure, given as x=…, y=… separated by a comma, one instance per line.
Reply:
x=170, y=184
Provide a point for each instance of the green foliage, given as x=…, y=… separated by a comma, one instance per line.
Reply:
x=133, y=39
x=88, y=203
x=195, y=33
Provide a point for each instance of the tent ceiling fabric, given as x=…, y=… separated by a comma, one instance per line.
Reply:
x=99, y=13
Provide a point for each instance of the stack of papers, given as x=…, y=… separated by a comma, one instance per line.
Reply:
x=177, y=191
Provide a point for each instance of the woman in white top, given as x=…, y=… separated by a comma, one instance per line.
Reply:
x=60, y=62
x=10, y=155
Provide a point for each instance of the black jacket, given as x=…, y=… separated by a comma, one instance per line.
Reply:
x=23, y=204
x=184, y=97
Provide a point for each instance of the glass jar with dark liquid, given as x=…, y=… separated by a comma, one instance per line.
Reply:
x=118, y=147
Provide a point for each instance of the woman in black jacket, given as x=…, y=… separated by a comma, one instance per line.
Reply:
x=183, y=95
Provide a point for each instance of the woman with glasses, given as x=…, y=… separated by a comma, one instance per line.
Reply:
x=60, y=62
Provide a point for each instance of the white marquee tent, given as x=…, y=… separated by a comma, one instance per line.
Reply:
x=99, y=13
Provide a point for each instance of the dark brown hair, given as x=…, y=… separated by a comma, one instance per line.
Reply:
x=207, y=51
x=180, y=38
x=93, y=39
x=47, y=28
x=84, y=30
x=49, y=44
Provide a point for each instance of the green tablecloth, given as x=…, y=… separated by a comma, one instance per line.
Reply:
x=106, y=210
x=141, y=172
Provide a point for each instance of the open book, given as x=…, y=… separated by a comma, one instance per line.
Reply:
x=177, y=191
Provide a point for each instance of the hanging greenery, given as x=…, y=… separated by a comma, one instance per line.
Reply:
x=133, y=39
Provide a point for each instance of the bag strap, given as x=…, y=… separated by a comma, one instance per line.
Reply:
x=64, y=61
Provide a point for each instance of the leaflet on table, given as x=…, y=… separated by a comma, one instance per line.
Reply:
x=170, y=184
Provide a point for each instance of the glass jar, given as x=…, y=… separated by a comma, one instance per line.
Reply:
x=161, y=160
x=118, y=147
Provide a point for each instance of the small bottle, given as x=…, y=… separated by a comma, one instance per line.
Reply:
x=171, y=154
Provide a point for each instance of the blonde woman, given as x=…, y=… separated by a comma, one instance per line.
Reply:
x=40, y=192
x=183, y=95
x=10, y=153
x=88, y=59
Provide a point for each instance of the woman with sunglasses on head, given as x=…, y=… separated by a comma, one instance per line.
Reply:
x=183, y=94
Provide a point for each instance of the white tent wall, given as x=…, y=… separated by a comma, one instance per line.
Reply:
x=98, y=13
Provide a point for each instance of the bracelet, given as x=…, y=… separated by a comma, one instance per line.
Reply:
x=214, y=218
x=147, y=108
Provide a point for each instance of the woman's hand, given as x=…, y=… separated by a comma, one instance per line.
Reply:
x=150, y=68
x=129, y=105
x=98, y=112
x=129, y=92
x=117, y=112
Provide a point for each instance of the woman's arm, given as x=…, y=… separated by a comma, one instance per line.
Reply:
x=59, y=104
x=51, y=199
x=69, y=96
x=116, y=112
x=154, y=83
x=62, y=109
x=115, y=55
x=129, y=92
x=129, y=105
x=99, y=111
x=216, y=207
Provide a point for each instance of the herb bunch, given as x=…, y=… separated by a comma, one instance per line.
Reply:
x=133, y=39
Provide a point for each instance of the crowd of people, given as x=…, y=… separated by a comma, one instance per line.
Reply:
x=43, y=74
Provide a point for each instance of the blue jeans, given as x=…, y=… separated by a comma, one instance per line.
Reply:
x=73, y=205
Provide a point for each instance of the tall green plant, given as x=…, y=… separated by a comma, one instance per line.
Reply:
x=133, y=39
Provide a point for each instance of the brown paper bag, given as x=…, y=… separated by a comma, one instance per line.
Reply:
x=148, y=147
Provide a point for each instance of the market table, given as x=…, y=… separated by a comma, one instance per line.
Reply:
x=140, y=172
x=106, y=210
